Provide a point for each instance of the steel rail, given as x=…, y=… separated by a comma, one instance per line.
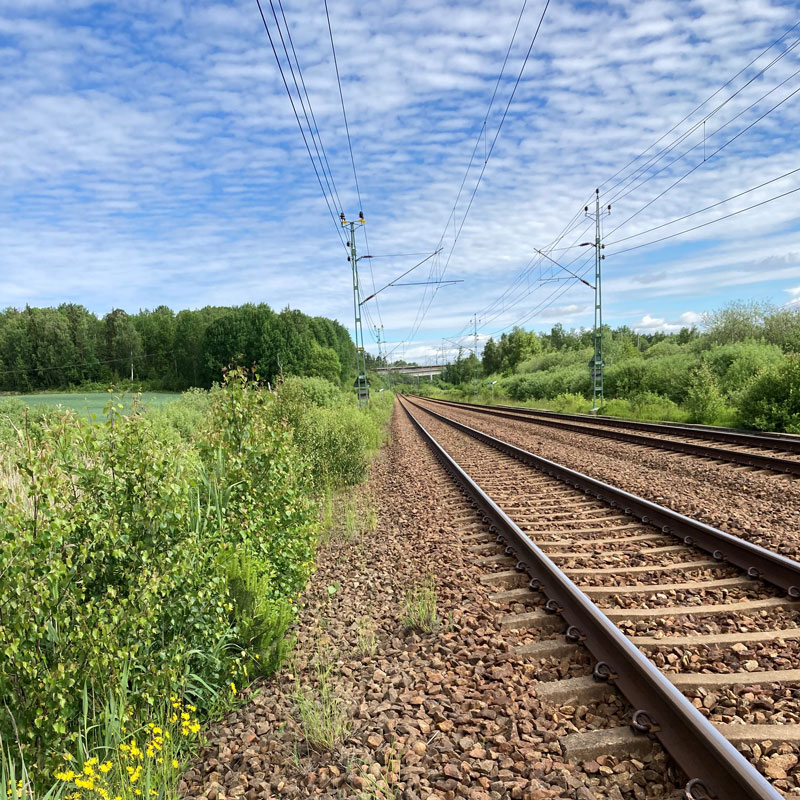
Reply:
x=773, y=463
x=714, y=767
x=771, y=440
x=757, y=561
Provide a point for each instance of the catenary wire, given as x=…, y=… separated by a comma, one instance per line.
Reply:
x=300, y=125
x=707, y=208
x=420, y=319
x=710, y=222
x=324, y=156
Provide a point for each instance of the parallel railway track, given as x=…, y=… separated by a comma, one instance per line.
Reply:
x=673, y=611
x=771, y=452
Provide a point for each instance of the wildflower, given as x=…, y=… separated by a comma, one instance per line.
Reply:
x=106, y=766
x=233, y=687
x=175, y=764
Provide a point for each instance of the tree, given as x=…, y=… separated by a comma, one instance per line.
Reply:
x=492, y=359
x=123, y=345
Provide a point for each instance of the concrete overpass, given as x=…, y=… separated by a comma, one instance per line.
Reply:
x=422, y=372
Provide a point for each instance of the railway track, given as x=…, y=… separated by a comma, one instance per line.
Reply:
x=696, y=628
x=772, y=452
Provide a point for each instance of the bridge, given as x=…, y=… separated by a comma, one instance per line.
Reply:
x=422, y=372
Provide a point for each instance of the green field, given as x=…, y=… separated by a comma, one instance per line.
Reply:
x=93, y=402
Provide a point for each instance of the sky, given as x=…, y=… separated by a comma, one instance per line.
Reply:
x=149, y=154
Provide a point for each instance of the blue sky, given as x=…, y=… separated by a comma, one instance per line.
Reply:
x=149, y=155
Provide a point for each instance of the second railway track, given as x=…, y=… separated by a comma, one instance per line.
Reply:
x=717, y=617
x=774, y=453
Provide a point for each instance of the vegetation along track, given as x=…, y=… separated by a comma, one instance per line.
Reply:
x=697, y=628
x=779, y=453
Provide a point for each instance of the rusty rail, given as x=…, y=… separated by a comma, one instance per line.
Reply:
x=775, y=463
x=714, y=767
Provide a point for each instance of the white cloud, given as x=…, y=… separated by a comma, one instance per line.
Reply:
x=651, y=324
x=150, y=155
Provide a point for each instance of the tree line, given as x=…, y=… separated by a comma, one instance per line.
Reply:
x=69, y=346
x=740, y=367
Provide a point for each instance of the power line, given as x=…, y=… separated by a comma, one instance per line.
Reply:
x=344, y=110
x=350, y=147
x=707, y=208
x=308, y=100
x=300, y=125
x=421, y=316
x=710, y=222
x=718, y=150
x=632, y=177
x=709, y=98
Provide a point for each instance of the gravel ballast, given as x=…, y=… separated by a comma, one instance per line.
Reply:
x=428, y=716
x=760, y=506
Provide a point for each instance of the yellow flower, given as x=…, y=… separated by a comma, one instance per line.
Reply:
x=175, y=764
x=233, y=687
x=106, y=766
x=184, y=715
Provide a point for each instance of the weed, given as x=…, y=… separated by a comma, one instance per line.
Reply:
x=367, y=641
x=379, y=781
x=323, y=715
x=420, y=608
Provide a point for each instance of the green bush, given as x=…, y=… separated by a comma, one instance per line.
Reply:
x=736, y=364
x=333, y=433
x=127, y=551
x=771, y=402
x=704, y=400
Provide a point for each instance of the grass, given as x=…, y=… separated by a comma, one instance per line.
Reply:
x=347, y=516
x=367, y=641
x=323, y=714
x=420, y=608
x=379, y=781
x=92, y=402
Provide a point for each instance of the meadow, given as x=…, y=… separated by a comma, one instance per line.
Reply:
x=94, y=402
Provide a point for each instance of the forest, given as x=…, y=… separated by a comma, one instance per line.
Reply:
x=69, y=346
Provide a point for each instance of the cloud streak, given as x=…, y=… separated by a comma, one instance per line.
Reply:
x=149, y=154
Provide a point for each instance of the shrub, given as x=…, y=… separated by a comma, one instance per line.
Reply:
x=104, y=569
x=735, y=364
x=126, y=550
x=334, y=434
x=704, y=401
x=771, y=402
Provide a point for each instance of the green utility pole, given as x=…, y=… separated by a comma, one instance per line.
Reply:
x=475, y=350
x=596, y=364
x=361, y=384
x=381, y=358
